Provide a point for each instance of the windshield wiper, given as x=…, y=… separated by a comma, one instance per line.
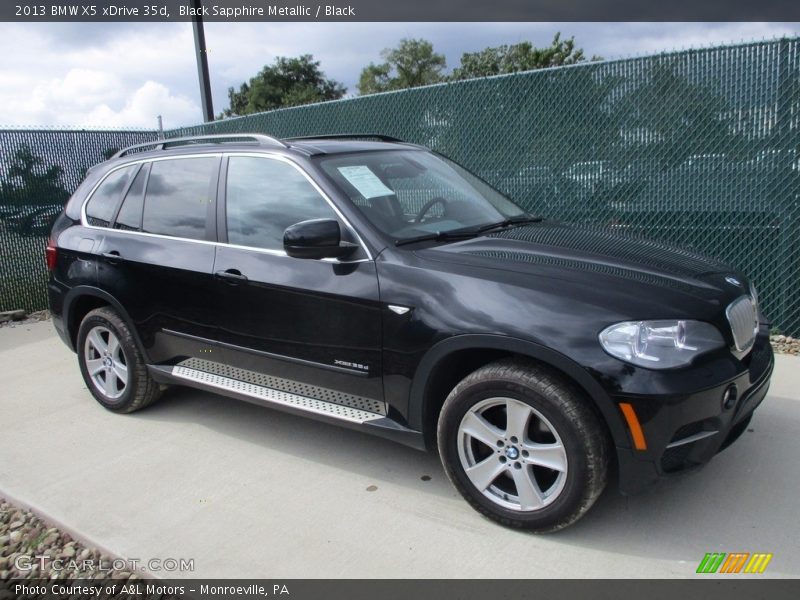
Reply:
x=438, y=236
x=441, y=236
x=508, y=223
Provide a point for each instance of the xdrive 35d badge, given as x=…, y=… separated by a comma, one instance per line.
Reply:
x=377, y=285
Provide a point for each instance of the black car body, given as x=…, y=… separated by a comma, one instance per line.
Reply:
x=377, y=336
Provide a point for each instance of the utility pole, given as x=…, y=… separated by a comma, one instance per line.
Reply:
x=202, y=61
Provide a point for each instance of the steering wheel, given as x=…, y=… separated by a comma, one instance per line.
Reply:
x=427, y=206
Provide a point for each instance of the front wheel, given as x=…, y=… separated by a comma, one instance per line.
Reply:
x=523, y=446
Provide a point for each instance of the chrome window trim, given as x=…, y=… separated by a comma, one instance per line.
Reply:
x=267, y=155
x=91, y=193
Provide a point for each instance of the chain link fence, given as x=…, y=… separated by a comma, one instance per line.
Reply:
x=39, y=170
x=700, y=148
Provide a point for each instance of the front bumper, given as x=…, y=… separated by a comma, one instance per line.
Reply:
x=685, y=431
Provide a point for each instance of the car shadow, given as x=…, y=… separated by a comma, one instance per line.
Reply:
x=366, y=454
x=731, y=505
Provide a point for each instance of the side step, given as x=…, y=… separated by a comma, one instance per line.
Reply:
x=269, y=390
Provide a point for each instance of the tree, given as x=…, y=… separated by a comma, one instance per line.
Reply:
x=519, y=57
x=29, y=182
x=413, y=63
x=287, y=82
x=675, y=117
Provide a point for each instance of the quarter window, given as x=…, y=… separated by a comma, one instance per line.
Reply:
x=130, y=213
x=104, y=201
x=178, y=195
x=264, y=197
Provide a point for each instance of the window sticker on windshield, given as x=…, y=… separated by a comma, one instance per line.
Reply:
x=365, y=181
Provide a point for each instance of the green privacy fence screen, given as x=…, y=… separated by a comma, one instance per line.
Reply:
x=39, y=170
x=700, y=148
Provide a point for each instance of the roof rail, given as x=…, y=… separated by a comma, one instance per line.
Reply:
x=345, y=136
x=257, y=138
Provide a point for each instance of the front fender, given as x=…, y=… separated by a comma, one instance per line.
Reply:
x=435, y=355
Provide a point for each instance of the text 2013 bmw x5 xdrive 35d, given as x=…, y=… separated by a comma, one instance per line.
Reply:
x=374, y=284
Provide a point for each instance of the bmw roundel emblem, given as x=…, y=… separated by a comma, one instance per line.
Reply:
x=733, y=281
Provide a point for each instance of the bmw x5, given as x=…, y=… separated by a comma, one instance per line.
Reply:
x=380, y=286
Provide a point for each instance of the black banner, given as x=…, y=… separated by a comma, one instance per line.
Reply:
x=405, y=10
x=709, y=588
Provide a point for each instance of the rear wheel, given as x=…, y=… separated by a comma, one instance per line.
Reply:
x=112, y=366
x=523, y=446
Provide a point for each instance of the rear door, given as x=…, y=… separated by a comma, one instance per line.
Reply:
x=308, y=321
x=158, y=253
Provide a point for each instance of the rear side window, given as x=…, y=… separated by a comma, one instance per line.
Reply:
x=264, y=196
x=178, y=195
x=104, y=201
x=130, y=213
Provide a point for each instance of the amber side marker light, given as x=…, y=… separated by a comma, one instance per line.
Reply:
x=633, y=424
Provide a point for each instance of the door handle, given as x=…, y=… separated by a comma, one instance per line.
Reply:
x=112, y=256
x=232, y=276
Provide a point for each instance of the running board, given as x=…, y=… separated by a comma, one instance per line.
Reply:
x=250, y=385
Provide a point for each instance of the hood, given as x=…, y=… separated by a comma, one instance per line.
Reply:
x=574, y=251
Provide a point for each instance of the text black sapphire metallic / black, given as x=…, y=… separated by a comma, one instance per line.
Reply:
x=374, y=284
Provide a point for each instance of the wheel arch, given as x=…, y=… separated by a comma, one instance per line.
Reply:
x=428, y=393
x=80, y=300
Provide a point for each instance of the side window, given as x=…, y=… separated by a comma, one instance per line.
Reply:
x=130, y=213
x=265, y=196
x=177, y=197
x=104, y=201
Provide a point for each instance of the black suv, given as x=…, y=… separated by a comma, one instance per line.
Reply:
x=377, y=285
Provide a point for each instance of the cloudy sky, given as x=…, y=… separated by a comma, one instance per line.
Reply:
x=124, y=74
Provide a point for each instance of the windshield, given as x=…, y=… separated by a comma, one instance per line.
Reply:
x=409, y=193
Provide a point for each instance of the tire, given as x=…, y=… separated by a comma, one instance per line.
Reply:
x=104, y=362
x=546, y=476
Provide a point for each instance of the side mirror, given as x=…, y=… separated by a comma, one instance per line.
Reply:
x=317, y=238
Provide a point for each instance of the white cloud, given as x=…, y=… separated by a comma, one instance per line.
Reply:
x=143, y=106
x=124, y=74
x=122, y=78
x=77, y=91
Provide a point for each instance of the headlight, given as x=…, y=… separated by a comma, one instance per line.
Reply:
x=660, y=344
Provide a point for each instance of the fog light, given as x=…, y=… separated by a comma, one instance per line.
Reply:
x=729, y=397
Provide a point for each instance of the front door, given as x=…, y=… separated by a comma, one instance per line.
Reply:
x=314, y=324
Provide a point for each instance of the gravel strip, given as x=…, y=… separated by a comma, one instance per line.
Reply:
x=34, y=317
x=23, y=536
x=785, y=344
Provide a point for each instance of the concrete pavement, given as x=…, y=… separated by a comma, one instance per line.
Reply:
x=250, y=492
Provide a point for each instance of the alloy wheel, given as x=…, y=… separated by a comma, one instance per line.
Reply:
x=105, y=362
x=512, y=454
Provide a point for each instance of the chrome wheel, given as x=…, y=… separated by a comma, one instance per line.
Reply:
x=105, y=362
x=512, y=454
